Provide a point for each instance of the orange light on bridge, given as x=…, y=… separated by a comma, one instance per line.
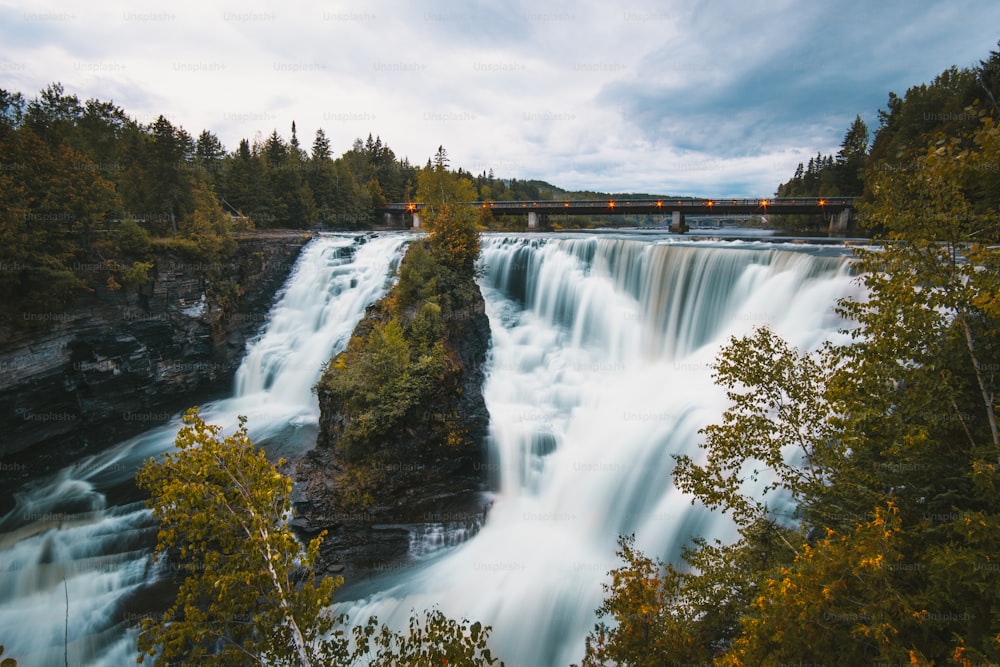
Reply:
x=411, y=207
x=711, y=203
x=659, y=204
x=764, y=203
x=566, y=204
x=822, y=202
x=611, y=204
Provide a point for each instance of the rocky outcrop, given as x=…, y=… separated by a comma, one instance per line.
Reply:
x=417, y=490
x=120, y=361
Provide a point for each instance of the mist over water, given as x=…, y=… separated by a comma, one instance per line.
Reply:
x=599, y=373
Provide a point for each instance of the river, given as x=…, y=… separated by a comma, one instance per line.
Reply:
x=599, y=372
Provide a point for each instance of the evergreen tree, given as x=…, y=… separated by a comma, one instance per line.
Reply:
x=321, y=146
x=209, y=155
x=275, y=151
x=244, y=187
x=851, y=159
x=101, y=128
x=53, y=115
x=322, y=181
x=441, y=160
x=168, y=181
x=294, y=147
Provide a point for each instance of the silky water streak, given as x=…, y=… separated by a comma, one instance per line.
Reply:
x=78, y=542
x=599, y=374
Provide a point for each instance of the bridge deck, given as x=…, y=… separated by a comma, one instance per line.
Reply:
x=651, y=206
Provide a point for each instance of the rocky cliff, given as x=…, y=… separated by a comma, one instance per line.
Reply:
x=118, y=362
x=421, y=478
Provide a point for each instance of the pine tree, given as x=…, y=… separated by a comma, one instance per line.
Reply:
x=441, y=159
x=208, y=155
x=322, y=180
x=294, y=141
x=321, y=146
x=169, y=184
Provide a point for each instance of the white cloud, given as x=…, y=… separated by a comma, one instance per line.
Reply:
x=720, y=98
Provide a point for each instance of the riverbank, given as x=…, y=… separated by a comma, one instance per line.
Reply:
x=119, y=362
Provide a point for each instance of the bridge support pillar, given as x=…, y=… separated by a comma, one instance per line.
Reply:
x=532, y=219
x=840, y=222
x=416, y=220
x=677, y=224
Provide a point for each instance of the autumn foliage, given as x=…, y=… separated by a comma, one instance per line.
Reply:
x=247, y=593
x=887, y=445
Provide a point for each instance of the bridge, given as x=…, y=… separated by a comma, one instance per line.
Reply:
x=838, y=208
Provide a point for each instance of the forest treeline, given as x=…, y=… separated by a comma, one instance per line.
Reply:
x=88, y=194
x=941, y=108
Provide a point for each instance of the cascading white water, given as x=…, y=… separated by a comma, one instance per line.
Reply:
x=600, y=372
x=63, y=550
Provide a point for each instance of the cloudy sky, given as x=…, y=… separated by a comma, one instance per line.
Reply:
x=719, y=98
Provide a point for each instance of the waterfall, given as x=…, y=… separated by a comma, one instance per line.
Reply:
x=66, y=539
x=599, y=373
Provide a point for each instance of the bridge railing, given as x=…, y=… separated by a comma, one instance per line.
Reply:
x=646, y=203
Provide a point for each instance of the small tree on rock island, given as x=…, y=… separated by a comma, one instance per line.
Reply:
x=248, y=595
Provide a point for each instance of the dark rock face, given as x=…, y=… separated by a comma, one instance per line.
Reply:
x=446, y=494
x=117, y=363
x=472, y=341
